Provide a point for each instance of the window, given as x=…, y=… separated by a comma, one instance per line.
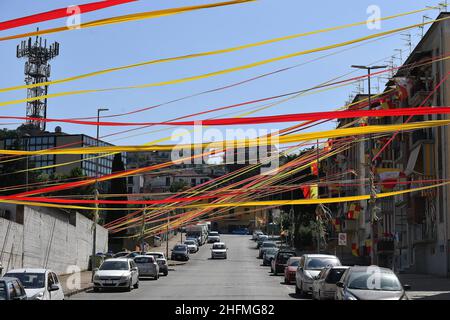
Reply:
x=167, y=181
x=12, y=292
x=130, y=190
x=130, y=179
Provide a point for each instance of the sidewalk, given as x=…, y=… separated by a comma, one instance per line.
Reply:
x=67, y=283
x=426, y=287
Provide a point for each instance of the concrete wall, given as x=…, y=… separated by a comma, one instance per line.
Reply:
x=49, y=238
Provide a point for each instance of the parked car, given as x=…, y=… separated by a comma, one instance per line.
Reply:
x=195, y=240
x=133, y=254
x=324, y=286
x=256, y=233
x=192, y=246
x=261, y=239
x=180, y=253
x=241, y=231
x=357, y=284
x=147, y=266
x=161, y=260
x=213, y=239
x=264, y=246
x=12, y=289
x=269, y=254
x=117, y=273
x=39, y=284
x=279, y=262
x=290, y=269
x=121, y=254
x=219, y=250
x=309, y=268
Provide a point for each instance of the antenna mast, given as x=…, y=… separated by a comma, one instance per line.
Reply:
x=37, y=70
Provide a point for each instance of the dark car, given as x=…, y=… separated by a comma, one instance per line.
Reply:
x=11, y=289
x=180, y=253
x=279, y=262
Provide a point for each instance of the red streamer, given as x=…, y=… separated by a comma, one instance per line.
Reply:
x=59, y=13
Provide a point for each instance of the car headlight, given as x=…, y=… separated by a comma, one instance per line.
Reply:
x=349, y=296
x=96, y=277
x=125, y=278
x=308, y=276
x=38, y=296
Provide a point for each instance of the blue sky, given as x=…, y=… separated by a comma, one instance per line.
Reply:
x=92, y=49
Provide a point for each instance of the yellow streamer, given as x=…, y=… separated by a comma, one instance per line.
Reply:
x=337, y=133
x=224, y=71
x=208, y=53
x=128, y=18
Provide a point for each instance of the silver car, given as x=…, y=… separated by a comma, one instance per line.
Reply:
x=147, y=266
x=117, y=273
x=264, y=246
x=324, y=286
x=370, y=283
x=161, y=260
x=309, y=267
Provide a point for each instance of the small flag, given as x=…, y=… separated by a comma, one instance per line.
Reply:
x=355, y=249
x=315, y=168
x=354, y=211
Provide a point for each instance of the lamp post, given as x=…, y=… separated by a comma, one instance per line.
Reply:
x=371, y=167
x=95, y=218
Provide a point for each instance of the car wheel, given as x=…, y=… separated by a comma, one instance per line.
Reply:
x=297, y=290
x=130, y=287
x=318, y=296
x=301, y=293
x=96, y=289
x=136, y=286
x=166, y=273
x=275, y=272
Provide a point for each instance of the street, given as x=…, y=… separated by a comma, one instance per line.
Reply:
x=241, y=276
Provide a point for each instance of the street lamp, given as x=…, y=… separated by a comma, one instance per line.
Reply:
x=94, y=236
x=373, y=191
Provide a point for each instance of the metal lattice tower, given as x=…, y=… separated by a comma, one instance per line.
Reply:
x=37, y=70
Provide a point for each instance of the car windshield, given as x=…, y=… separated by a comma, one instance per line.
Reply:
x=189, y=242
x=114, y=265
x=294, y=263
x=269, y=244
x=179, y=248
x=284, y=257
x=213, y=233
x=2, y=291
x=380, y=281
x=219, y=246
x=335, y=275
x=156, y=255
x=271, y=250
x=143, y=260
x=29, y=280
x=320, y=263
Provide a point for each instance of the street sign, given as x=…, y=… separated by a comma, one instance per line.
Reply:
x=342, y=239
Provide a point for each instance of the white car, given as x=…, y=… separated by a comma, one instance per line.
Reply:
x=39, y=284
x=309, y=267
x=192, y=246
x=324, y=286
x=161, y=260
x=219, y=250
x=147, y=266
x=117, y=273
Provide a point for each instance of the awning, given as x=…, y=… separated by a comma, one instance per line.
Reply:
x=412, y=160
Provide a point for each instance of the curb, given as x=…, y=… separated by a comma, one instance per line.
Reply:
x=74, y=292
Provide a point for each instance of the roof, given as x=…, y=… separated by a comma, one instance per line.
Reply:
x=364, y=268
x=316, y=255
x=118, y=259
x=8, y=279
x=217, y=243
x=28, y=270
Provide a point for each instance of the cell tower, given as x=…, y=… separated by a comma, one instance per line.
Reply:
x=37, y=70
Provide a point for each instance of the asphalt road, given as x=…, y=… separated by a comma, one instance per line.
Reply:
x=241, y=276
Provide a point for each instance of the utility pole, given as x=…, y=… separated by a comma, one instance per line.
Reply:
x=318, y=197
x=95, y=218
x=143, y=228
x=371, y=171
x=167, y=235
